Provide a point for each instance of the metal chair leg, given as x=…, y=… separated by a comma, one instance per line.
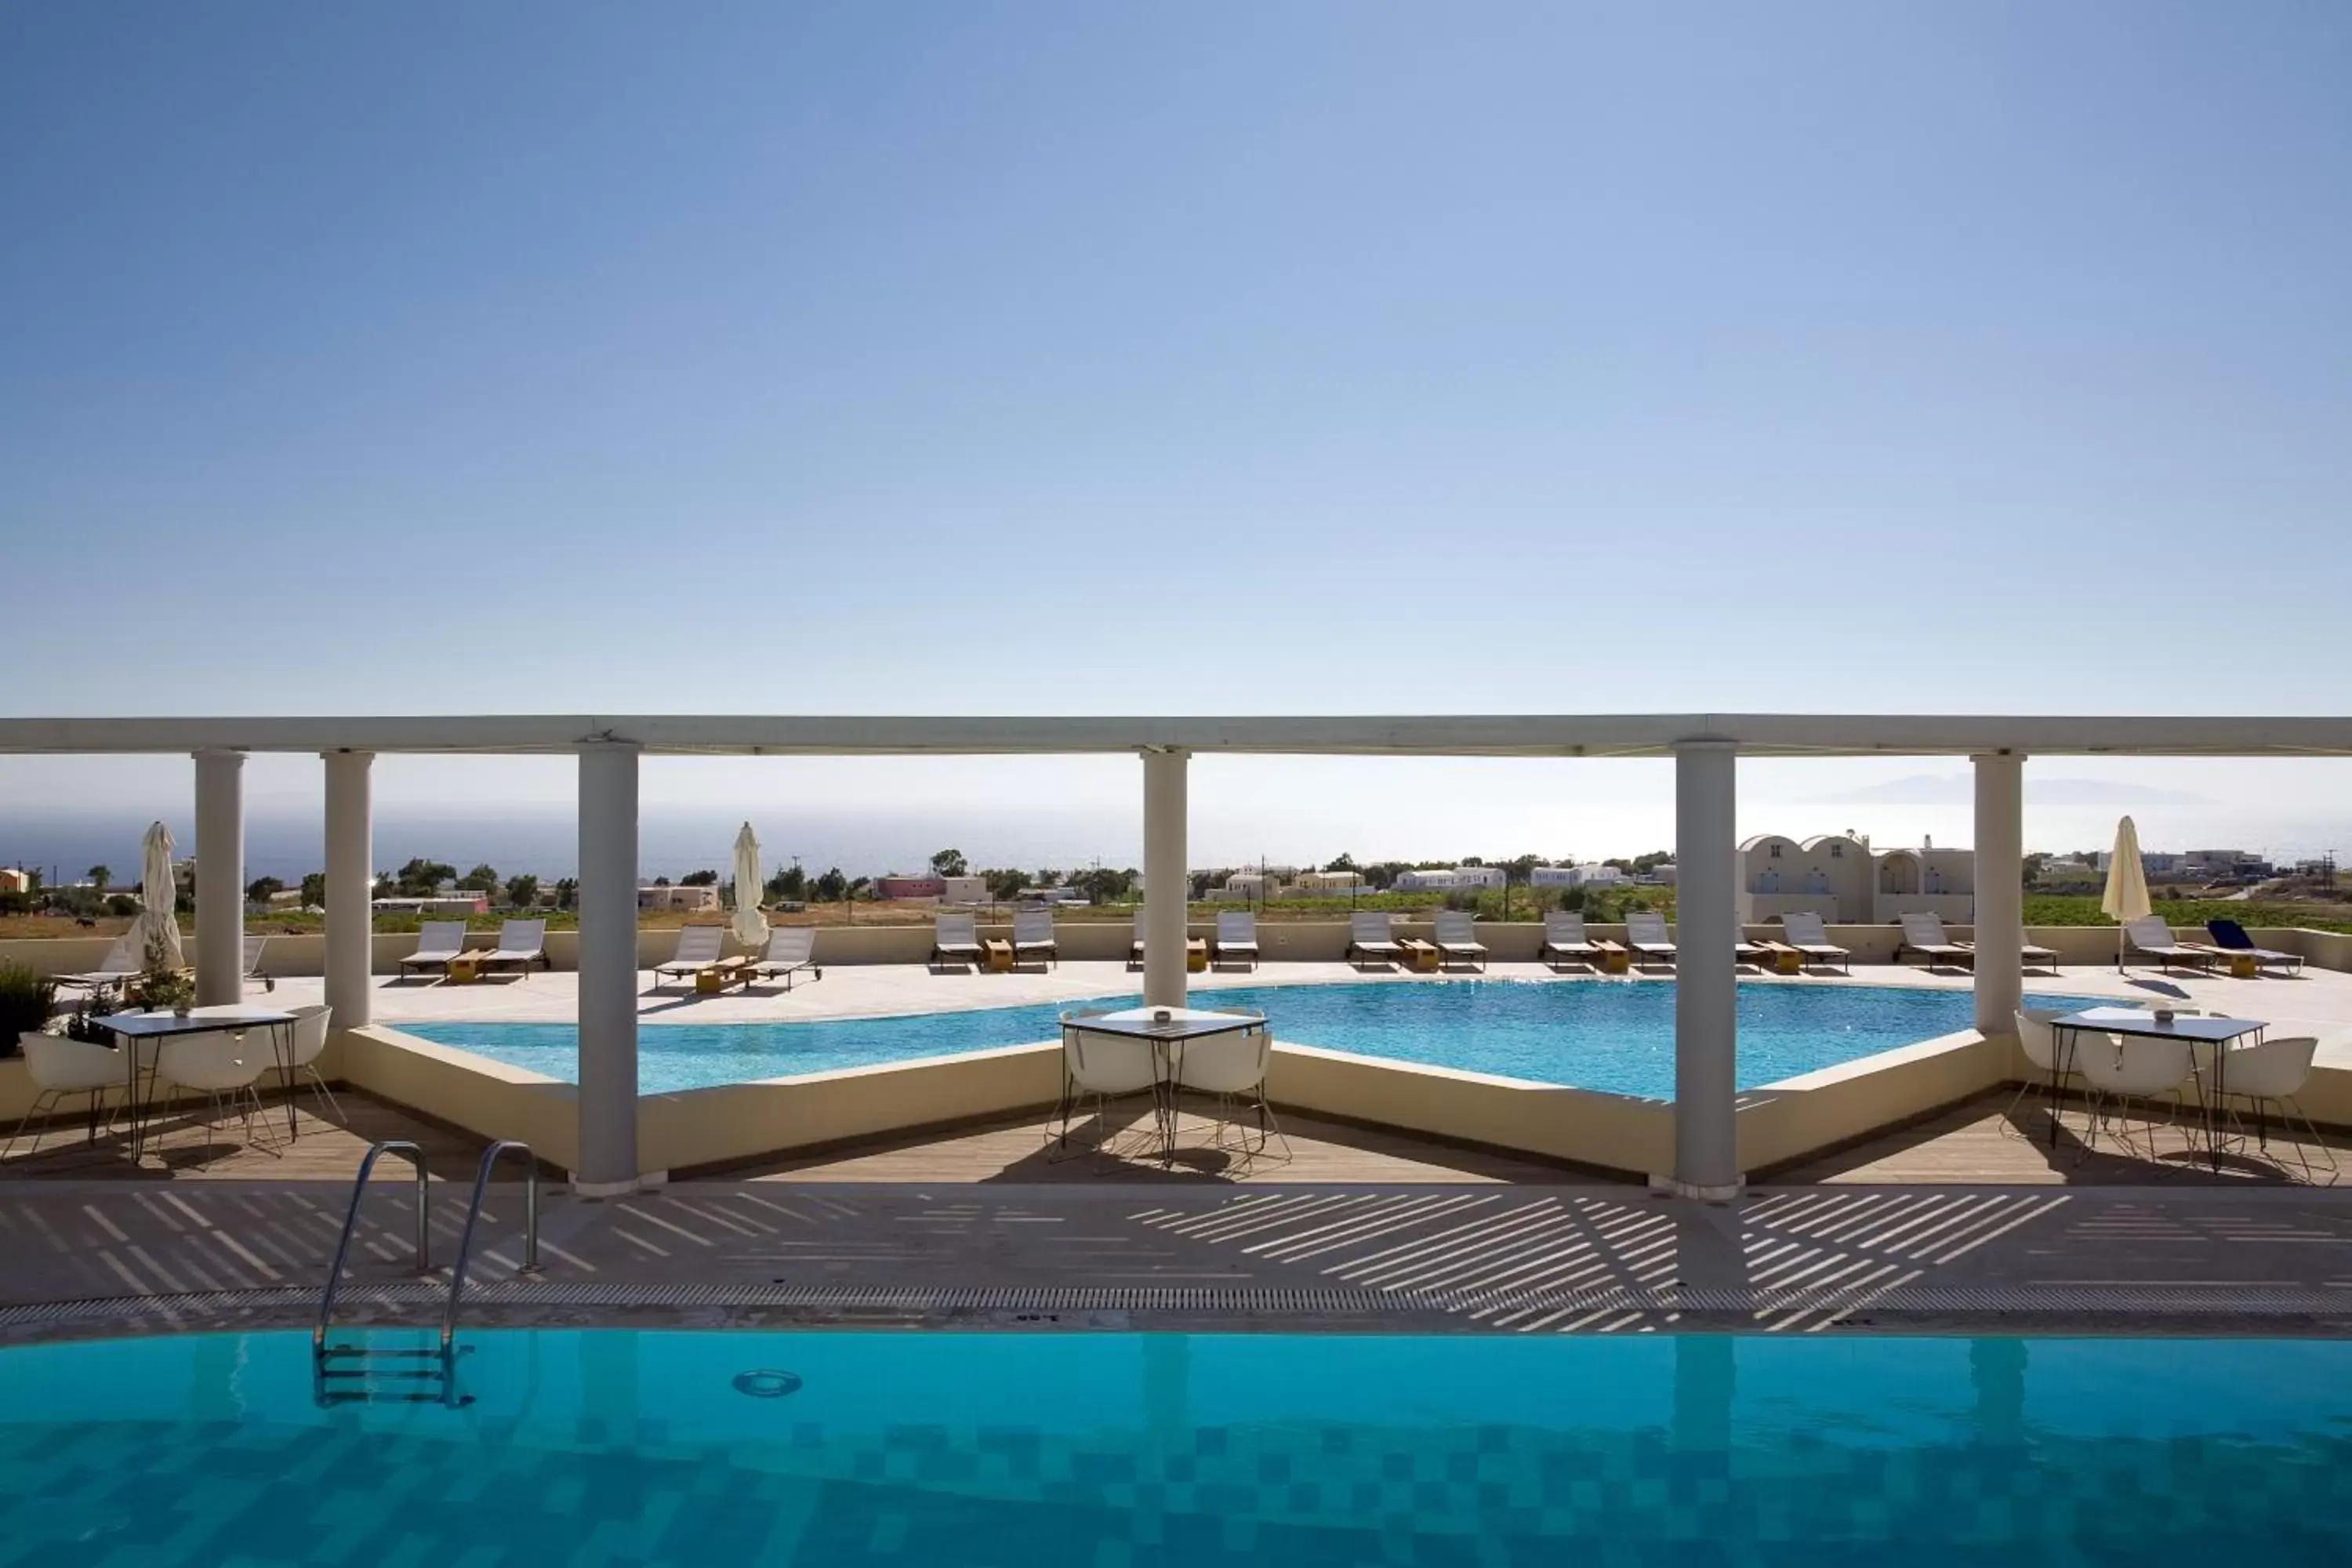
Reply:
x=50, y=1095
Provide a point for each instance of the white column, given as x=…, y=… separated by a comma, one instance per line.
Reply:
x=351, y=887
x=2000, y=891
x=220, y=878
x=608, y=970
x=1167, y=884
x=1707, y=991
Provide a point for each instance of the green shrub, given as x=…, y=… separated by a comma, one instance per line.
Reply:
x=26, y=998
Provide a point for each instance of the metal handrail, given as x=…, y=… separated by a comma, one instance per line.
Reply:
x=350, y=1223
x=474, y=1212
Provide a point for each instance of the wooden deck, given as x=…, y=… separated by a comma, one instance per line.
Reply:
x=1024, y=1149
x=179, y=1146
x=1981, y=1142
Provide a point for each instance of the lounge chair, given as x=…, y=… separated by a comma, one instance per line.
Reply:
x=955, y=939
x=1923, y=934
x=697, y=948
x=2231, y=940
x=1033, y=932
x=1236, y=937
x=791, y=949
x=521, y=943
x=1135, y=947
x=1372, y=935
x=2150, y=936
x=253, y=946
x=121, y=964
x=1645, y=934
x=1806, y=934
x=1457, y=938
x=438, y=942
x=1746, y=952
x=1564, y=935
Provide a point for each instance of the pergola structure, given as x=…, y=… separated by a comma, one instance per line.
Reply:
x=1705, y=748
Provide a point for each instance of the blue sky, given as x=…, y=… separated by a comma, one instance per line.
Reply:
x=1541, y=357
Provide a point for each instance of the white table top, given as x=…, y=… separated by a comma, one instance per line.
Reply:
x=1181, y=1023
x=200, y=1020
x=2140, y=1021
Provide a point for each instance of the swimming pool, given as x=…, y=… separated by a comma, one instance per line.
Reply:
x=1023, y=1450
x=1590, y=1034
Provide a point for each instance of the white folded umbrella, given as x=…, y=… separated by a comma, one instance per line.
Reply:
x=159, y=893
x=750, y=925
x=2126, y=899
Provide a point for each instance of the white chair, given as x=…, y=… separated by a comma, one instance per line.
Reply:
x=1564, y=935
x=1033, y=932
x=1231, y=1071
x=222, y=1065
x=310, y=1040
x=1134, y=945
x=1236, y=937
x=2040, y=1042
x=1372, y=935
x=1099, y=1068
x=2123, y=1070
x=438, y=942
x=1645, y=934
x=791, y=949
x=521, y=943
x=2274, y=1073
x=698, y=948
x=955, y=939
x=1457, y=938
x=61, y=1068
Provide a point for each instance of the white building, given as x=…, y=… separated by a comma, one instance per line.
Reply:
x=1592, y=874
x=1846, y=882
x=692, y=900
x=1449, y=878
x=1327, y=884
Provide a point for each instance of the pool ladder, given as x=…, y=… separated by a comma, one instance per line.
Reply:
x=358, y=1373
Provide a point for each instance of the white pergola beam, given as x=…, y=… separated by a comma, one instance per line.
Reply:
x=1498, y=735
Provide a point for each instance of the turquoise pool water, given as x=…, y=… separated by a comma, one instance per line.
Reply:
x=1033, y=1451
x=1614, y=1036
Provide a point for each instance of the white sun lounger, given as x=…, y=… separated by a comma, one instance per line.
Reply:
x=698, y=948
x=955, y=939
x=1645, y=934
x=253, y=946
x=1457, y=937
x=121, y=964
x=1372, y=935
x=1809, y=937
x=1236, y=937
x=1135, y=946
x=1923, y=934
x=437, y=944
x=790, y=950
x=2152, y=938
x=1564, y=935
x=521, y=943
x=1033, y=931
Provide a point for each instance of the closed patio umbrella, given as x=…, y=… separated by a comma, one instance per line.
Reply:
x=2126, y=899
x=159, y=894
x=750, y=925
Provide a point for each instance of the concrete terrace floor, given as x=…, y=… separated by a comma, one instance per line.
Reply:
x=2317, y=1002
x=1968, y=1223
